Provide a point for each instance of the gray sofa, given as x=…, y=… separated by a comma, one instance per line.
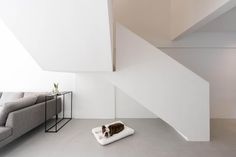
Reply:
x=24, y=113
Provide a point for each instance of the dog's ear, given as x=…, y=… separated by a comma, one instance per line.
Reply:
x=103, y=128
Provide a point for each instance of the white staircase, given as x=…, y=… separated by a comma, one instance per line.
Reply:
x=162, y=85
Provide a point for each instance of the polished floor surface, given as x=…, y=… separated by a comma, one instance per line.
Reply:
x=153, y=138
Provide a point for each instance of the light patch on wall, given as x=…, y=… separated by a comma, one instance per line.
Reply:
x=19, y=71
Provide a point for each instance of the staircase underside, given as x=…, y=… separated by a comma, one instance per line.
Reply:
x=66, y=35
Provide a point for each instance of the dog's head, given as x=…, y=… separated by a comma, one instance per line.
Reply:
x=105, y=131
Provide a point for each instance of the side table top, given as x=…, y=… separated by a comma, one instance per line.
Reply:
x=58, y=94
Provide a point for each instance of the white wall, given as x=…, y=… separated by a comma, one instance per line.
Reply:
x=73, y=34
x=216, y=65
x=187, y=14
x=97, y=99
x=161, y=84
x=126, y=107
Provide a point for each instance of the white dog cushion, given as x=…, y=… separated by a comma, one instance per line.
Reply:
x=97, y=132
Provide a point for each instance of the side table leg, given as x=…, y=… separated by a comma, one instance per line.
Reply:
x=71, y=105
x=45, y=116
x=56, y=115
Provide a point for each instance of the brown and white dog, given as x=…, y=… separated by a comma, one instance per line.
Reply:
x=112, y=129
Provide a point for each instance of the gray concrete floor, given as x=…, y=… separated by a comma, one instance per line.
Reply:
x=153, y=138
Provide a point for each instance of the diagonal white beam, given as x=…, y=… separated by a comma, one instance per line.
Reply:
x=189, y=15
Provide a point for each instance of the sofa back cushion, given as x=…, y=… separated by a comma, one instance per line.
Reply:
x=10, y=96
x=40, y=96
x=14, y=106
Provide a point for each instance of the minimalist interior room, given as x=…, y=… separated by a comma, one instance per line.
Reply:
x=118, y=78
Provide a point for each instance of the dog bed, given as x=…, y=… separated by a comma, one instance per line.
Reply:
x=97, y=132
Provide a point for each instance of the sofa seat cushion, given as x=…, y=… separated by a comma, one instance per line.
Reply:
x=5, y=132
x=14, y=106
x=10, y=96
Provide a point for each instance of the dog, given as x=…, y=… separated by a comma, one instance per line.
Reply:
x=112, y=129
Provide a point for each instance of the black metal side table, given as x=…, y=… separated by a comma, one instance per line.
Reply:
x=59, y=122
